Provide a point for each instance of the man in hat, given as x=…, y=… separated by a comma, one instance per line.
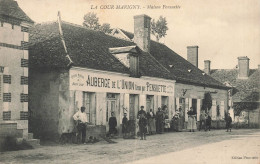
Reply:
x=81, y=118
x=141, y=112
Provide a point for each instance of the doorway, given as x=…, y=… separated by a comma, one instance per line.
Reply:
x=194, y=105
x=133, y=110
x=90, y=109
x=149, y=102
x=112, y=106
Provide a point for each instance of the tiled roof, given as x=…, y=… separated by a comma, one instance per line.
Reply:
x=128, y=34
x=180, y=66
x=11, y=9
x=245, y=90
x=87, y=48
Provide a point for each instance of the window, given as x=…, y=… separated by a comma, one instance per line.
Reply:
x=7, y=97
x=7, y=115
x=89, y=105
x=111, y=105
x=149, y=102
x=24, y=29
x=24, y=97
x=23, y=115
x=24, y=62
x=25, y=45
x=7, y=79
x=24, y=80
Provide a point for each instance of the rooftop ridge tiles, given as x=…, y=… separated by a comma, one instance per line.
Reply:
x=80, y=26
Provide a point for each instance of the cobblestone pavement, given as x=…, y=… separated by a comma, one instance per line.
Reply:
x=180, y=145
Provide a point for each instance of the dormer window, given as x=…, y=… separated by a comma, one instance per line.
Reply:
x=129, y=56
x=123, y=58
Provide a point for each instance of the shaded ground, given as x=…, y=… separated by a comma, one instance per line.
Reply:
x=123, y=151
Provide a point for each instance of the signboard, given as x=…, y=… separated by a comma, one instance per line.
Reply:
x=89, y=81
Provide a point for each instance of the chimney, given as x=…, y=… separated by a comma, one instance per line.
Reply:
x=192, y=55
x=207, y=66
x=243, y=67
x=142, y=32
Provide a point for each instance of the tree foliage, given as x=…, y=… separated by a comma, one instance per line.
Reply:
x=106, y=28
x=159, y=27
x=240, y=106
x=207, y=102
x=91, y=21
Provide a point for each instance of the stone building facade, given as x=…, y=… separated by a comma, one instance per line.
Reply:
x=14, y=38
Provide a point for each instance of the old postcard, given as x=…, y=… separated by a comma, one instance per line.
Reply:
x=120, y=81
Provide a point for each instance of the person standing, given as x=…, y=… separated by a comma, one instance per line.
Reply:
x=151, y=122
x=181, y=117
x=191, y=120
x=203, y=117
x=140, y=112
x=159, y=121
x=112, y=124
x=228, y=122
x=81, y=118
x=143, y=126
x=208, y=122
x=124, y=125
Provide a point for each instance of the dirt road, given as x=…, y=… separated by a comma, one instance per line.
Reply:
x=125, y=151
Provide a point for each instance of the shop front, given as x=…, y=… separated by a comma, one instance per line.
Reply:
x=103, y=92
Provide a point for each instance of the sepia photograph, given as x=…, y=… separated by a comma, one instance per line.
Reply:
x=129, y=81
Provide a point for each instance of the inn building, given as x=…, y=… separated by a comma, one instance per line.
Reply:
x=108, y=73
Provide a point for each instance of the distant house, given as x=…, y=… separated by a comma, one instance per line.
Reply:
x=107, y=73
x=14, y=38
x=244, y=95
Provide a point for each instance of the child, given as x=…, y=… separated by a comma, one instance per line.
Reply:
x=124, y=125
x=228, y=122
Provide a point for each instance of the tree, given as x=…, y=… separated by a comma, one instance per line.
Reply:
x=159, y=28
x=106, y=28
x=207, y=102
x=91, y=21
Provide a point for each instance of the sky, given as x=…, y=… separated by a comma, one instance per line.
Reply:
x=223, y=29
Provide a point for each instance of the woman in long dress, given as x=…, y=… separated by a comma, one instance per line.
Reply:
x=151, y=122
x=191, y=120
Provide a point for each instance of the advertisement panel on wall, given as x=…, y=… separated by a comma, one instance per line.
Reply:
x=91, y=81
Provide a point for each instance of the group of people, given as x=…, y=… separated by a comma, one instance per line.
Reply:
x=153, y=123
x=148, y=122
